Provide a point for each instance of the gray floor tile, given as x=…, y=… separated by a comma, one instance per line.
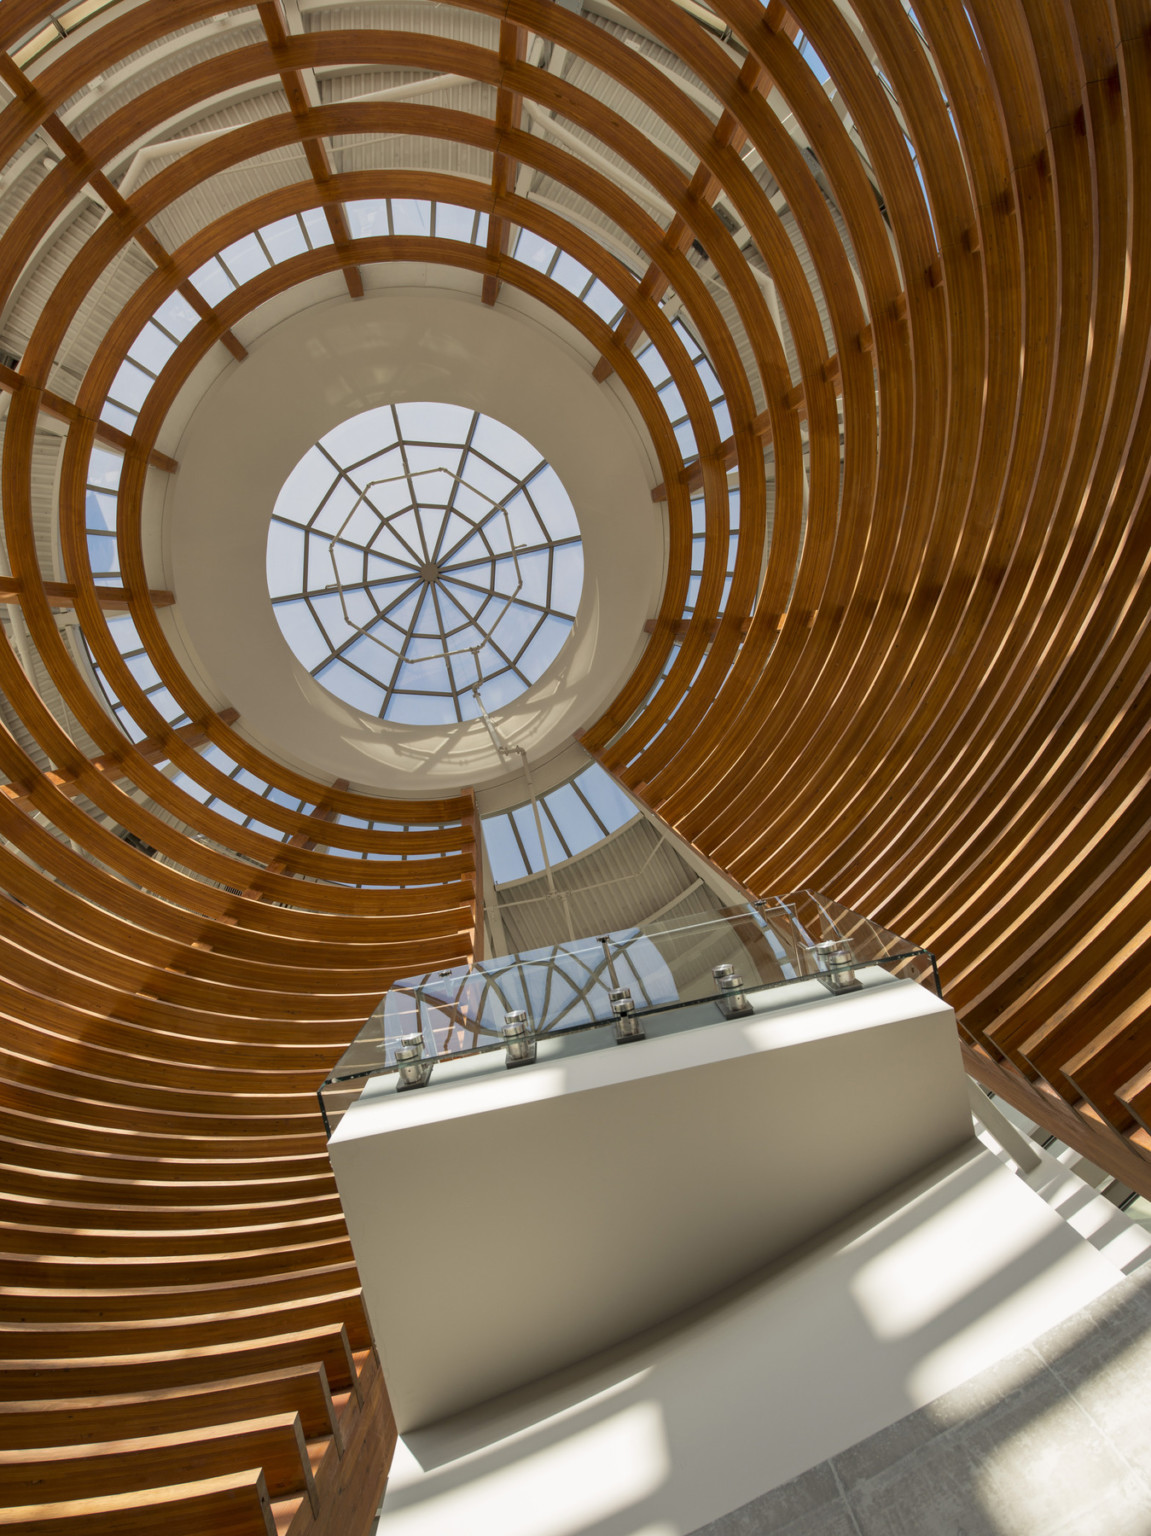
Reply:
x=1122, y=1510
x=762, y=1517
x=779, y=1509
x=1121, y=1313
x=1116, y=1394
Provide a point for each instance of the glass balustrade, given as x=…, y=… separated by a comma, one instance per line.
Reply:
x=617, y=988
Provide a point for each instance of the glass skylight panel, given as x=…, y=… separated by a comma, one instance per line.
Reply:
x=103, y=556
x=694, y=350
x=525, y=827
x=576, y=816
x=672, y=402
x=104, y=469
x=819, y=69
x=244, y=259
x=421, y=553
x=454, y=223
x=146, y=357
x=262, y=827
x=99, y=511
x=602, y=301
x=191, y=787
x=124, y=633
x=410, y=217
x=652, y=363
x=503, y=851
x=316, y=224
x=606, y=798
x=176, y=315
x=534, y=251
x=707, y=378
x=130, y=386
x=165, y=703
x=212, y=282
x=151, y=349
x=127, y=723
x=116, y=416
x=100, y=516
x=215, y=755
x=685, y=437
x=368, y=217
x=142, y=670
x=103, y=476
x=571, y=274
x=284, y=239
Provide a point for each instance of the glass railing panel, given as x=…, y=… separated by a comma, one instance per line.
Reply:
x=741, y=958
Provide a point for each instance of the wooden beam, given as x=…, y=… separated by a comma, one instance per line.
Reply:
x=62, y=594
x=509, y=114
x=692, y=475
x=60, y=409
x=680, y=628
x=295, y=88
x=74, y=151
x=704, y=189
x=325, y=811
x=154, y=749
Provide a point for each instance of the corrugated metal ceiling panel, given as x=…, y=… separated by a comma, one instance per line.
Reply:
x=618, y=883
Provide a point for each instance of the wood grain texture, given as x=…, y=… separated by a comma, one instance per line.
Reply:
x=922, y=683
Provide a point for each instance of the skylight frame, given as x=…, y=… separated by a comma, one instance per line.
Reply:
x=601, y=800
x=449, y=623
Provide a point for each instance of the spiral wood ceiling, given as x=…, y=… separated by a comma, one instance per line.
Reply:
x=914, y=247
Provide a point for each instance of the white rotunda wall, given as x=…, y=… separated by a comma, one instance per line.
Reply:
x=312, y=371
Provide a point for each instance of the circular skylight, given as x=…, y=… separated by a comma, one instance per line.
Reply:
x=424, y=558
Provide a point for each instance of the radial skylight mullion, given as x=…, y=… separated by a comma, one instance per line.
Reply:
x=563, y=842
x=465, y=449
x=337, y=652
x=390, y=691
x=262, y=243
x=416, y=559
x=520, y=845
x=517, y=549
x=591, y=808
x=521, y=602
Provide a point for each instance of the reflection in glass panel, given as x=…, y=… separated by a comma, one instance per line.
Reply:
x=789, y=950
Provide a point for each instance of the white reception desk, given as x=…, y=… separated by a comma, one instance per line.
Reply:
x=507, y=1224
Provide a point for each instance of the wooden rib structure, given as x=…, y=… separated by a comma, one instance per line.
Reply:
x=924, y=286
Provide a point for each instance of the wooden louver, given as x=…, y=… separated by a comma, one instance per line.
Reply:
x=922, y=685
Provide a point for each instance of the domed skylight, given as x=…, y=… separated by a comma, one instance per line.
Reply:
x=424, y=557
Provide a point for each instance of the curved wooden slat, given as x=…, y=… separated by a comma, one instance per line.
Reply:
x=926, y=690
